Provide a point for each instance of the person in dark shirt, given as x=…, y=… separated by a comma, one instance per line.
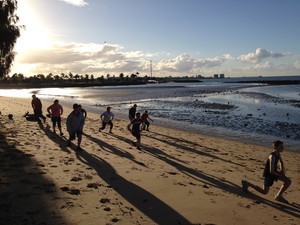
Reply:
x=75, y=123
x=135, y=128
x=132, y=112
x=37, y=109
x=271, y=173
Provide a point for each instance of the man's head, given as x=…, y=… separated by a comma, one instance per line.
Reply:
x=278, y=145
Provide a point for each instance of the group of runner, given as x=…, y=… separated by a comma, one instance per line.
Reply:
x=76, y=120
x=138, y=122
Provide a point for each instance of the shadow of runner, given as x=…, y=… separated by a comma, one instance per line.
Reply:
x=26, y=196
x=61, y=141
x=112, y=149
x=291, y=209
x=174, y=142
x=144, y=201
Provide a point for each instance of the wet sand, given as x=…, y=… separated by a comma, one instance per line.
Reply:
x=177, y=178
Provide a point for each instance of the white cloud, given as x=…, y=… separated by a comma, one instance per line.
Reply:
x=259, y=55
x=297, y=64
x=101, y=59
x=185, y=64
x=83, y=58
x=76, y=2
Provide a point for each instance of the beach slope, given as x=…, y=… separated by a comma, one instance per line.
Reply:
x=177, y=177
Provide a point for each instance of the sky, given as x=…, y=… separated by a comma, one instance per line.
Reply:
x=177, y=37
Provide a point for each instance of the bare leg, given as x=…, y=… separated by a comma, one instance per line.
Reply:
x=263, y=190
x=247, y=184
x=138, y=143
x=79, y=140
x=286, y=183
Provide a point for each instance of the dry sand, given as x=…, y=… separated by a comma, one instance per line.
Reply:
x=177, y=177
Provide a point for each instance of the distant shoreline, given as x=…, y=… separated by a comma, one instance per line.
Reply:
x=21, y=85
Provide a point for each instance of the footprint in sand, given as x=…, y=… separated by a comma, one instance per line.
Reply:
x=67, y=205
x=71, y=191
x=76, y=179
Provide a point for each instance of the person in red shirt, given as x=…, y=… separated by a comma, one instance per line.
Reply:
x=56, y=110
x=37, y=109
x=146, y=123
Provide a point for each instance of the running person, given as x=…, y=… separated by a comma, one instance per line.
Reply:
x=145, y=117
x=75, y=123
x=37, y=109
x=106, y=118
x=132, y=112
x=135, y=128
x=271, y=173
x=56, y=110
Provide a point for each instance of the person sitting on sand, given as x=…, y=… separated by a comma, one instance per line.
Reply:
x=55, y=111
x=75, y=123
x=132, y=112
x=37, y=109
x=107, y=118
x=146, y=123
x=271, y=173
x=135, y=128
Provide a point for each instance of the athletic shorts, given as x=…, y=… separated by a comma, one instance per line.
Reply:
x=73, y=135
x=56, y=120
x=269, y=181
x=136, y=134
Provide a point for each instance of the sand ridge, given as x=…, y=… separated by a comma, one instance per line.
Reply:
x=177, y=177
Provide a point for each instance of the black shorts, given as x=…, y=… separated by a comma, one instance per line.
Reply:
x=73, y=135
x=56, y=120
x=136, y=134
x=269, y=181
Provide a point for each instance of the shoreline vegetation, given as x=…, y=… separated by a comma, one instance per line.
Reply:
x=41, y=81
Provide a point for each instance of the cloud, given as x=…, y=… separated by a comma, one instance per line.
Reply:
x=185, y=63
x=259, y=55
x=297, y=64
x=84, y=58
x=113, y=59
x=76, y=2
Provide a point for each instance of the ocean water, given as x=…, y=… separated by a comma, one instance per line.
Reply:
x=253, y=113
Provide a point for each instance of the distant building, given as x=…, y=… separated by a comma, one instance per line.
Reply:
x=222, y=75
x=216, y=75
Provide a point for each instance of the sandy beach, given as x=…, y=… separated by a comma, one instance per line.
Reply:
x=177, y=177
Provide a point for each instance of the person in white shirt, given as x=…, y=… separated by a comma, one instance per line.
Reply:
x=107, y=118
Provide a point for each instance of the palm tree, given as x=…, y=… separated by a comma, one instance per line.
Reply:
x=10, y=32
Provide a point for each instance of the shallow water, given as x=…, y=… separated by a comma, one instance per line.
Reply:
x=247, y=112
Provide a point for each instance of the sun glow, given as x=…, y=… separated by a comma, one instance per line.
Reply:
x=35, y=34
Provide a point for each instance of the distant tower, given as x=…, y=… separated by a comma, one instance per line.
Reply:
x=222, y=75
x=151, y=69
x=216, y=75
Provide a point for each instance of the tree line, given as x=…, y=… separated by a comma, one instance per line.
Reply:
x=69, y=80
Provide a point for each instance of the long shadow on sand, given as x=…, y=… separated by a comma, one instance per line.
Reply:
x=147, y=203
x=24, y=192
x=61, y=141
x=104, y=146
x=291, y=209
x=207, y=179
x=180, y=143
